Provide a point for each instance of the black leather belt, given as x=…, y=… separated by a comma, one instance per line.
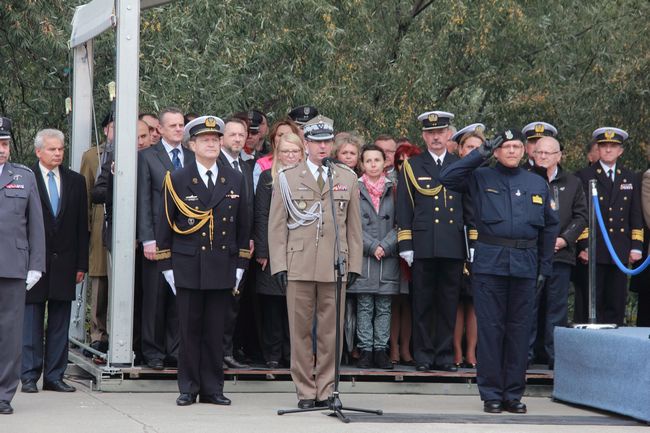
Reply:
x=505, y=242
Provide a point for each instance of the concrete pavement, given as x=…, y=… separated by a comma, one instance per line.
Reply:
x=97, y=412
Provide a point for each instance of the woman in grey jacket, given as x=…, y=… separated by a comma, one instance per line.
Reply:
x=380, y=272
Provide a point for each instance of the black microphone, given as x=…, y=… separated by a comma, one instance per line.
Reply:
x=330, y=160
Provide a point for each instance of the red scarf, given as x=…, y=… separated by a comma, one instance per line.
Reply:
x=376, y=190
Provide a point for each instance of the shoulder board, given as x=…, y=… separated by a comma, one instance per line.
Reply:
x=341, y=165
x=24, y=167
x=287, y=168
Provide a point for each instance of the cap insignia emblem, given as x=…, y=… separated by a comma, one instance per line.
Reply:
x=509, y=135
x=609, y=134
x=210, y=122
x=479, y=129
x=539, y=128
x=433, y=117
x=306, y=110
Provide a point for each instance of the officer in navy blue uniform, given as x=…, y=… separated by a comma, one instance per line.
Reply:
x=619, y=196
x=533, y=132
x=203, y=241
x=431, y=238
x=516, y=236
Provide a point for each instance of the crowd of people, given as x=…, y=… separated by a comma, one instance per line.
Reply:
x=456, y=254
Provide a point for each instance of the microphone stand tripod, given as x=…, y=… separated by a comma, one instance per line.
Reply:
x=334, y=403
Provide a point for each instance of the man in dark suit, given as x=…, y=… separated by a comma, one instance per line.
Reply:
x=159, y=317
x=232, y=143
x=63, y=200
x=203, y=243
x=619, y=196
x=22, y=260
x=431, y=239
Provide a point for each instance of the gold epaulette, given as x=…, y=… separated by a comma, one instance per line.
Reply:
x=404, y=235
x=637, y=235
x=473, y=234
x=244, y=253
x=201, y=217
x=584, y=235
x=411, y=178
x=163, y=254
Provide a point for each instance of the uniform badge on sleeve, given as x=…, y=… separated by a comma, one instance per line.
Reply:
x=537, y=199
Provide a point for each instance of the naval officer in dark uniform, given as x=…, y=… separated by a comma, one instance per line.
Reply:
x=619, y=196
x=517, y=229
x=431, y=239
x=203, y=250
x=22, y=260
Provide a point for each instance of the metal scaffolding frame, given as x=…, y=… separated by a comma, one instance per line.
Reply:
x=90, y=20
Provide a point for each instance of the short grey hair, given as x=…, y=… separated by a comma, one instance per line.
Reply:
x=47, y=133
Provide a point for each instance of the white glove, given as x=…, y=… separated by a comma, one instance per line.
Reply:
x=169, y=276
x=238, y=276
x=407, y=256
x=471, y=255
x=32, y=278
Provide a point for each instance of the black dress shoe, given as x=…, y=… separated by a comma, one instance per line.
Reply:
x=156, y=364
x=306, y=404
x=492, y=406
x=185, y=399
x=365, y=360
x=233, y=363
x=29, y=386
x=215, y=399
x=273, y=365
x=446, y=367
x=382, y=360
x=58, y=386
x=422, y=367
x=321, y=403
x=5, y=408
x=514, y=406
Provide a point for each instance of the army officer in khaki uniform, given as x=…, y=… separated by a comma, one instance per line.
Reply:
x=301, y=232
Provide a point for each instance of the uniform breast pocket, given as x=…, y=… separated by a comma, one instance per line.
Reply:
x=536, y=209
x=302, y=199
x=19, y=199
x=493, y=204
x=341, y=200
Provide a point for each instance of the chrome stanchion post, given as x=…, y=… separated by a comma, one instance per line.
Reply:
x=591, y=242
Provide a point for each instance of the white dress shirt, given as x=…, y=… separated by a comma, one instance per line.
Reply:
x=46, y=179
x=169, y=148
x=607, y=168
x=314, y=170
x=231, y=159
x=436, y=157
x=203, y=172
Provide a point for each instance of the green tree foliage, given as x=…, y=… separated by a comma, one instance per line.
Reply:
x=371, y=65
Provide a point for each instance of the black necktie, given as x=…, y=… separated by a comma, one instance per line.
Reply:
x=438, y=163
x=235, y=165
x=210, y=182
x=610, y=174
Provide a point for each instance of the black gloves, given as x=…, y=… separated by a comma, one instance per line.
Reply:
x=281, y=279
x=352, y=277
x=489, y=146
x=541, y=280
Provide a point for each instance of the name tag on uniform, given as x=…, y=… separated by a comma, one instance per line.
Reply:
x=424, y=178
x=191, y=198
x=14, y=186
x=626, y=186
x=537, y=199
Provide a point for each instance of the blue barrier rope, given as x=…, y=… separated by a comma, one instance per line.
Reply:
x=608, y=242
